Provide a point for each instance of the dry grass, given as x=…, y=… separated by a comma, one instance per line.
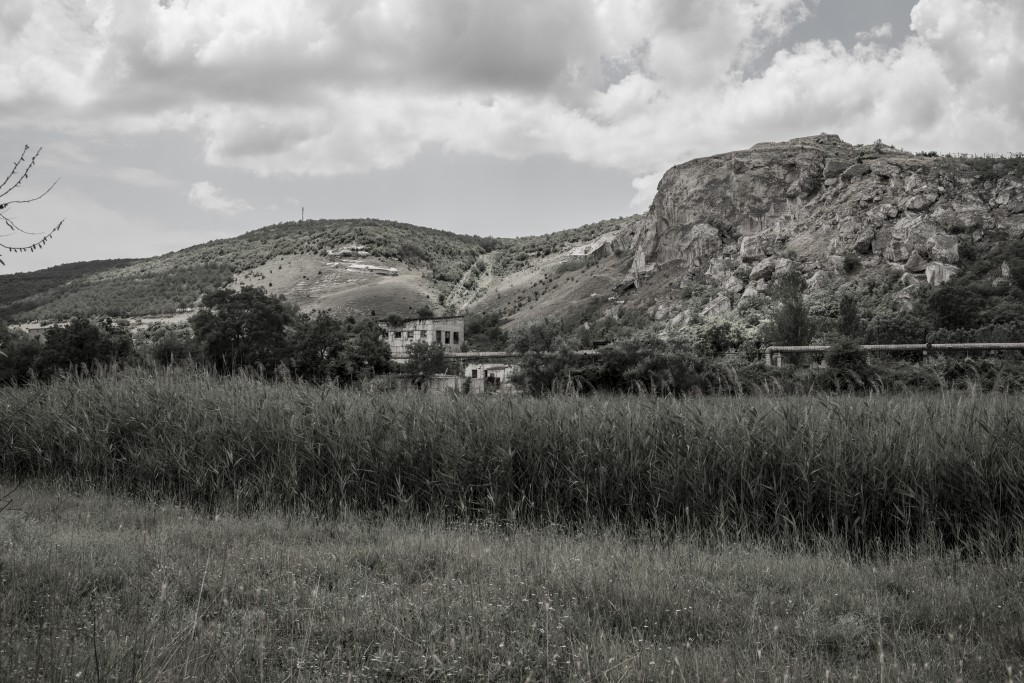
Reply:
x=94, y=587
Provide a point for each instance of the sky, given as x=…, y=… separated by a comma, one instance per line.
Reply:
x=173, y=122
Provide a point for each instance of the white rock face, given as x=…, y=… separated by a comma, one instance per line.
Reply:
x=940, y=273
x=753, y=248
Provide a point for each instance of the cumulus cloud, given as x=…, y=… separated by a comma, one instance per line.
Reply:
x=315, y=87
x=880, y=32
x=210, y=197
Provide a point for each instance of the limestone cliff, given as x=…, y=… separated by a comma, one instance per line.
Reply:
x=820, y=205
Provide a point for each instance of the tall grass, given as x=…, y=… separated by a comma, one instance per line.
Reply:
x=873, y=471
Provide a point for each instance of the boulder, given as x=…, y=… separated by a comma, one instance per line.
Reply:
x=717, y=306
x=733, y=285
x=1004, y=270
x=720, y=269
x=922, y=201
x=961, y=217
x=898, y=250
x=915, y=264
x=762, y=270
x=908, y=279
x=940, y=273
x=805, y=185
x=852, y=236
x=884, y=169
x=756, y=288
x=944, y=248
x=783, y=266
x=753, y=248
x=819, y=280
x=910, y=234
x=855, y=171
x=835, y=167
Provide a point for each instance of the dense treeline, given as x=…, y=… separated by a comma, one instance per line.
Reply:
x=252, y=331
x=246, y=330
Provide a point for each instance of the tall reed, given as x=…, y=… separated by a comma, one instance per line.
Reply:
x=871, y=470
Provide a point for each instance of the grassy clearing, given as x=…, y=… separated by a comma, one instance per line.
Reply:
x=875, y=472
x=95, y=587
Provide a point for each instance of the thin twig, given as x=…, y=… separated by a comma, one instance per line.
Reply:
x=24, y=174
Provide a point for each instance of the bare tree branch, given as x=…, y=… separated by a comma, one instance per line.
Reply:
x=14, y=170
x=17, y=176
x=24, y=173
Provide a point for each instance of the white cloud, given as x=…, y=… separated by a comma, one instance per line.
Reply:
x=880, y=32
x=210, y=197
x=315, y=87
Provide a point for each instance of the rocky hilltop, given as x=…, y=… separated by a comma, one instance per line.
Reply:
x=828, y=209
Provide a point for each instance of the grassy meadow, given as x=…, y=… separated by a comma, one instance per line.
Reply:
x=94, y=587
x=177, y=525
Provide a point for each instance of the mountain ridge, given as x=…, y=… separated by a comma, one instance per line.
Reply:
x=872, y=222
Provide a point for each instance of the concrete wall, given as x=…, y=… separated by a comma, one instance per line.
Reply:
x=448, y=332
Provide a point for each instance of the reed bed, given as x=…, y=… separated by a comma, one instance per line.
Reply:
x=875, y=472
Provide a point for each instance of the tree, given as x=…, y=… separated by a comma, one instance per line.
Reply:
x=243, y=329
x=543, y=336
x=790, y=322
x=955, y=306
x=82, y=344
x=325, y=348
x=425, y=359
x=20, y=355
x=890, y=327
x=849, y=320
x=14, y=180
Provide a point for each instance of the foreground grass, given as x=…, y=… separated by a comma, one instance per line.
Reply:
x=94, y=587
x=877, y=472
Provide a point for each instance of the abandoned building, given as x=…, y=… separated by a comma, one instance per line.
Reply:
x=449, y=332
x=486, y=377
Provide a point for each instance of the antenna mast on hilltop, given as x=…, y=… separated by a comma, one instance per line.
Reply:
x=303, y=218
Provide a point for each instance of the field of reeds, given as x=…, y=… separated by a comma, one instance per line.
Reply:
x=874, y=472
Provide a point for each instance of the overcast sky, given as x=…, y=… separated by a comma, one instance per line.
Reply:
x=173, y=122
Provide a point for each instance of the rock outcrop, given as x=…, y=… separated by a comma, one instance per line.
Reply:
x=827, y=209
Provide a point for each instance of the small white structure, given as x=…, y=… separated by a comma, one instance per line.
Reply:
x=485, y=377
x=370, y=268
x=37, y=330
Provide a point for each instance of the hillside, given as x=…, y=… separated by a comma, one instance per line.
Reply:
x=18, y=290
x=871, y=222
x=317, y=264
